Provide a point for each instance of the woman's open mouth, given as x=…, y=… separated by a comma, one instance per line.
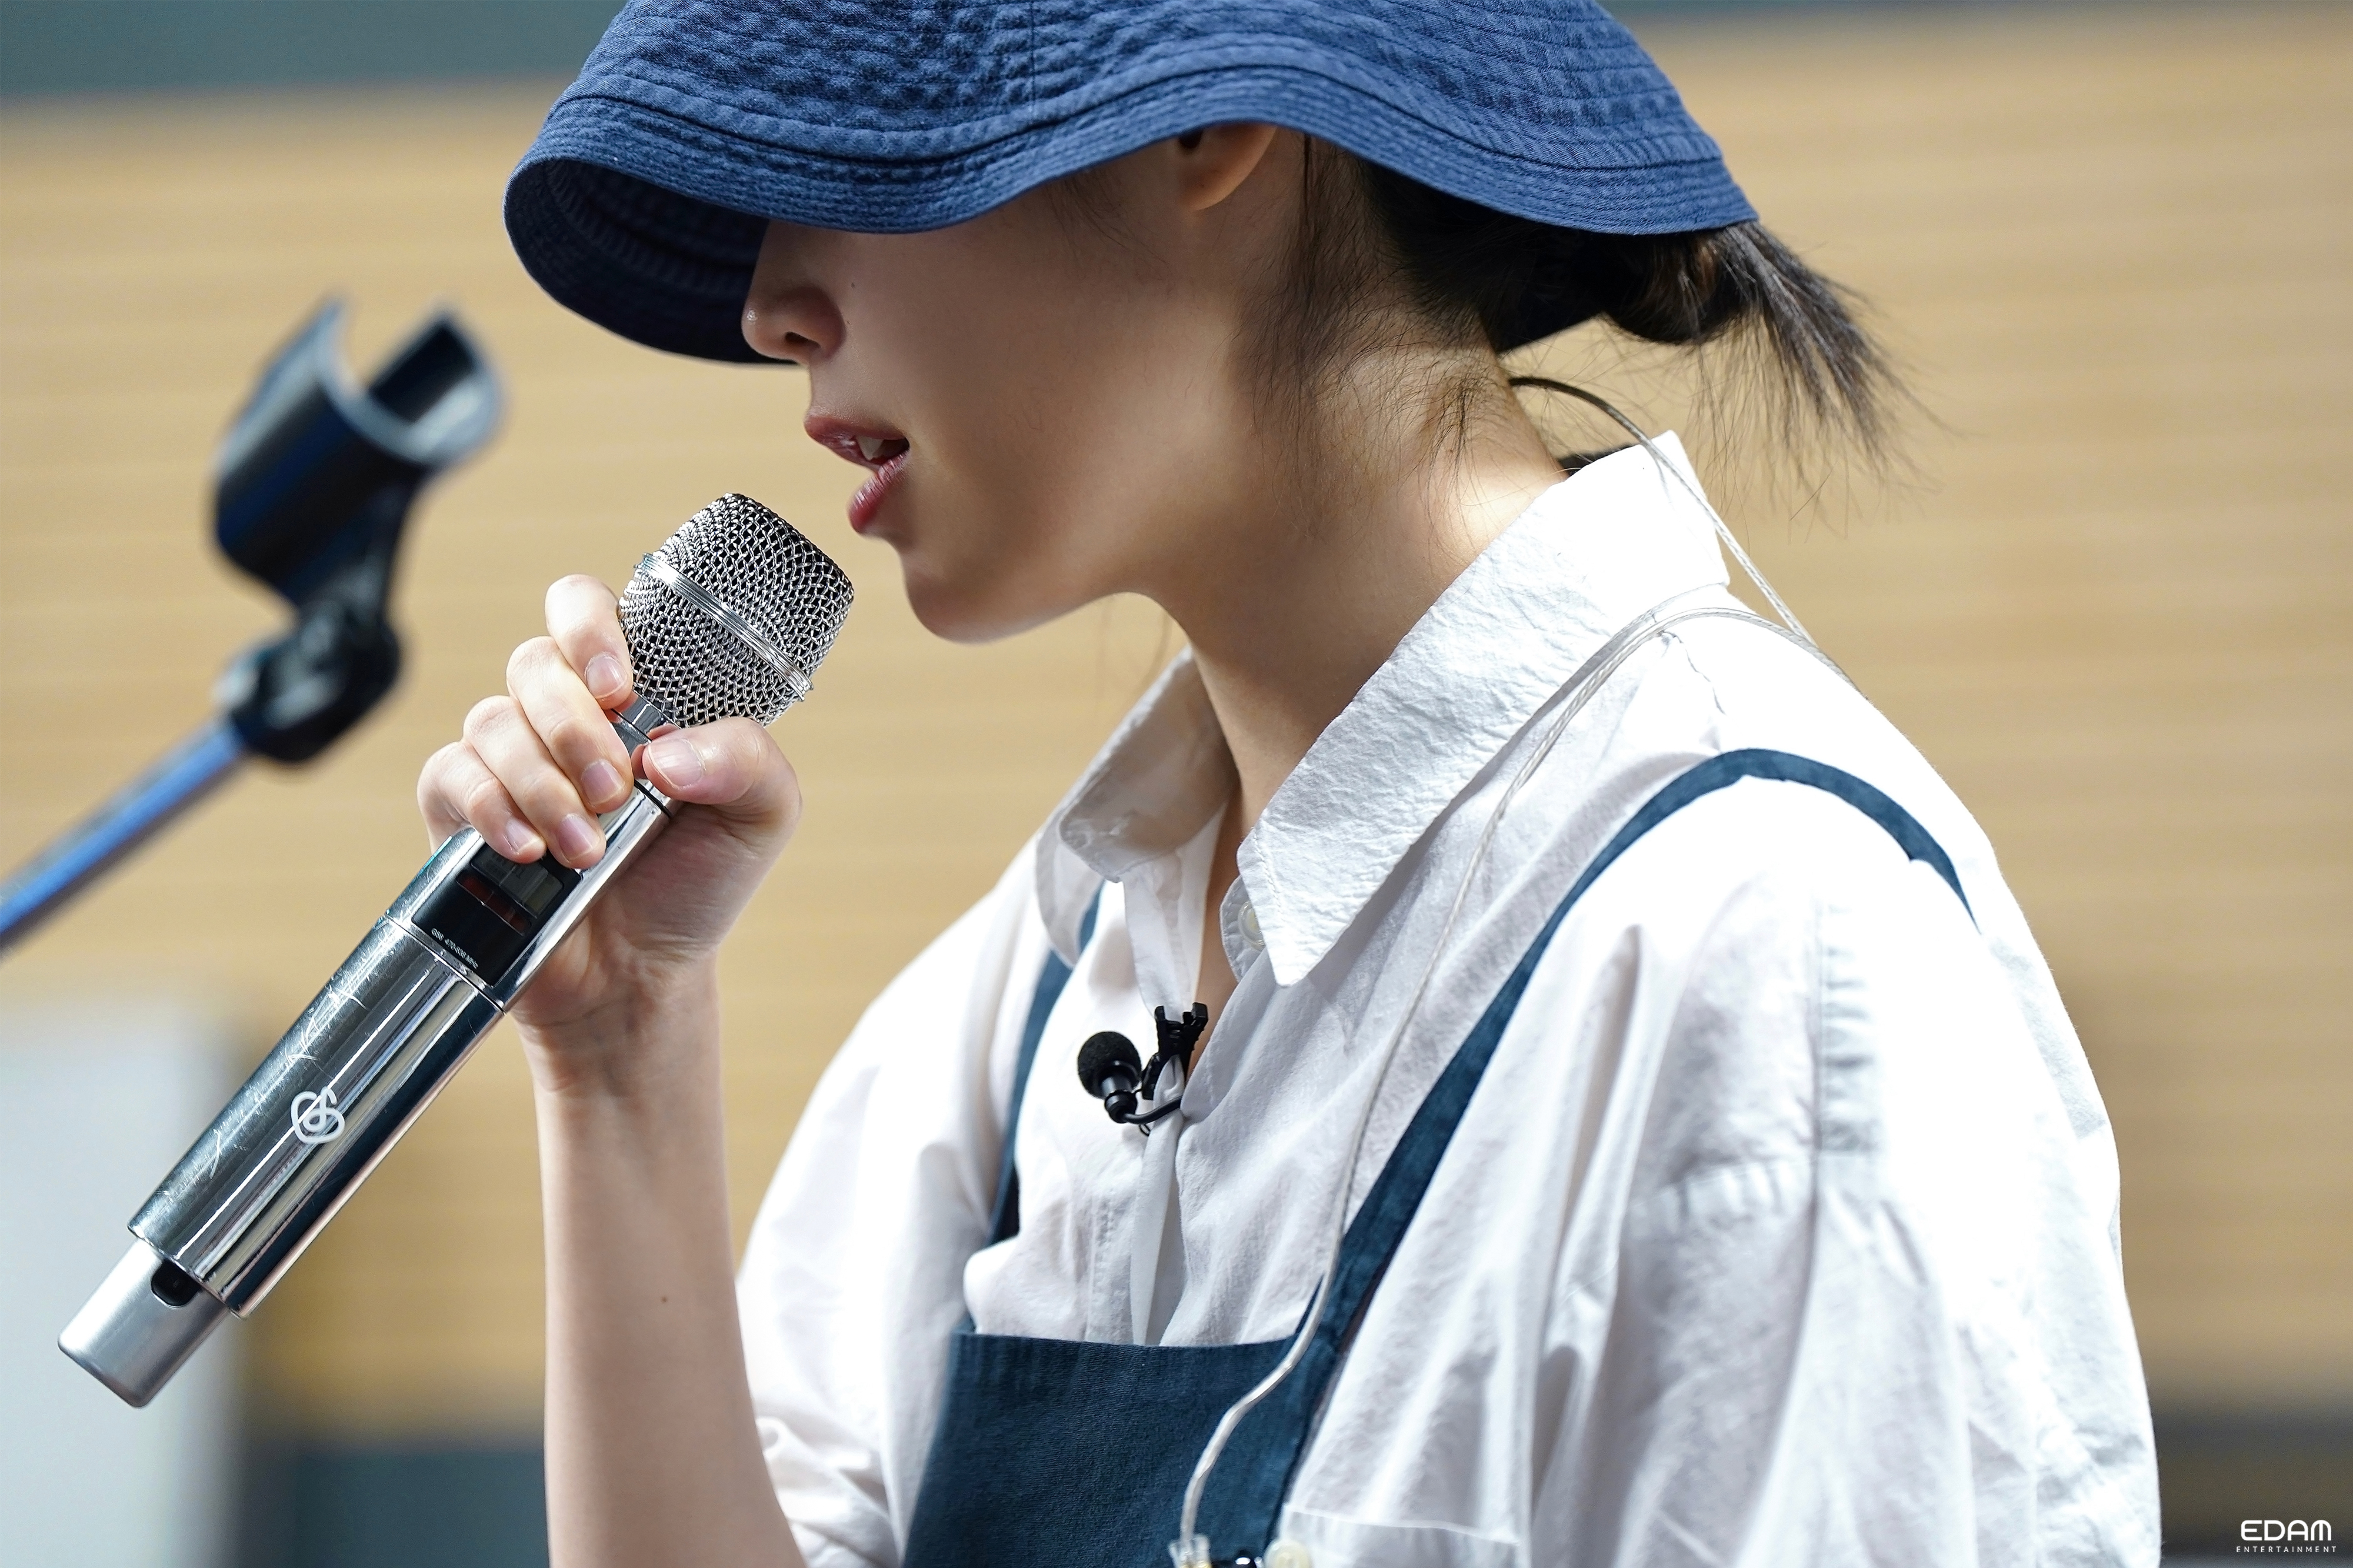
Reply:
x=882, y=453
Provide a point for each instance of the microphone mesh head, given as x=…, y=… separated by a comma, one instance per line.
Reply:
x=740, y=563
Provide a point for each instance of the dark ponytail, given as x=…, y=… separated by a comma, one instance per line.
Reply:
x=1482, y=275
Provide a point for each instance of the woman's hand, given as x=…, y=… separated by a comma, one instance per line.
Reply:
x=534, y=771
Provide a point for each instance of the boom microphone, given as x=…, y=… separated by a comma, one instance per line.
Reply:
x=731, y=617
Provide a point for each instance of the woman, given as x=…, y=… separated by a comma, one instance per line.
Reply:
x=1634, y=1123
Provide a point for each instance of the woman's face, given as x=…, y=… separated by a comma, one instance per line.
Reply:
x=1052, y=398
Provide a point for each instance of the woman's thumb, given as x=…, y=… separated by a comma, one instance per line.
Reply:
x=732, y=765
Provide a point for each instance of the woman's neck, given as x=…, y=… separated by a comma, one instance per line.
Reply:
x=1296, y=603
x=1313, y=588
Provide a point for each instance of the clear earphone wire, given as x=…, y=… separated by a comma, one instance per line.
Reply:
x=1723, y=534
x=1191, y=1550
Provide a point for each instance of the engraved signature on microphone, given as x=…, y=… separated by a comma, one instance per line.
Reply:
x=316, y=1117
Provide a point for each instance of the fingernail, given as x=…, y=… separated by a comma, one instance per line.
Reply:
x=516, y=841
x=675, y=755
x=599, y=783
x=576, y=836
x=604, y=676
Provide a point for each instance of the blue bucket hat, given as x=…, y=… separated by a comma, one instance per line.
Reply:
x=642, y=203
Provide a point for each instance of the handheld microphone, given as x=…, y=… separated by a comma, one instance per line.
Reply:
x=731, y=617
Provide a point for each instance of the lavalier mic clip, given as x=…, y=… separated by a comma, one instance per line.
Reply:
x=1111, y=1071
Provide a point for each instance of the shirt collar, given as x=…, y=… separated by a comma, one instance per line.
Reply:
x=1591, y=553
x=1156, y=783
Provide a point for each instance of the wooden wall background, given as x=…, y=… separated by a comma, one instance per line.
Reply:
x=2111, y=242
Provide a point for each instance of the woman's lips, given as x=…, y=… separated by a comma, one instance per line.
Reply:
x=881, y=452
x=867, y=501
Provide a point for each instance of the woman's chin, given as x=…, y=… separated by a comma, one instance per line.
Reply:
x=971, y=607
x=949, y=609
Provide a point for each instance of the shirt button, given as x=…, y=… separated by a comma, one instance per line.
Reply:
x=1256, y=938
x=1288, y=1554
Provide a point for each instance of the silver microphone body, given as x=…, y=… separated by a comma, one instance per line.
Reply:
x=378, y=1041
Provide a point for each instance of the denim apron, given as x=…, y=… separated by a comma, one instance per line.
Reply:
x=1055, y=1452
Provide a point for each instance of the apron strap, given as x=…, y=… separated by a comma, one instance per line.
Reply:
x=1244, y=1500
x=1005, y=1218
x=1755, y=764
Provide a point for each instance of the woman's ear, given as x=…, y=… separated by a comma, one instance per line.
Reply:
x=1213, y=161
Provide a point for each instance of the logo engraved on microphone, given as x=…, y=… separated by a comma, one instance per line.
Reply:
x=316, y=1117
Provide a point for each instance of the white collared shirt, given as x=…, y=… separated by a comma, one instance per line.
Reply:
x=1782, y=1228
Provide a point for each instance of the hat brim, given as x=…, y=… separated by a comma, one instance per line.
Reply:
x=659, y=267
x=644, y=210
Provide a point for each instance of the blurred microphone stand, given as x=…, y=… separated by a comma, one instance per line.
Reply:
x=312, y=485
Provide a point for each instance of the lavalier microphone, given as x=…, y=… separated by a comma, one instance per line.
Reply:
x=1114, y=1073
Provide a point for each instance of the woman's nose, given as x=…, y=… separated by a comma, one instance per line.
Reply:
x=797, y=324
